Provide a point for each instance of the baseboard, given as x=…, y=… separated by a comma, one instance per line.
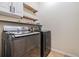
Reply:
x=64, y=53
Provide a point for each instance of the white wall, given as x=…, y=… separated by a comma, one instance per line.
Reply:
x=63, y=21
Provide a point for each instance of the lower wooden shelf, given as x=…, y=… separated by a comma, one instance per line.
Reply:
x=29, y=18
x=19, y=23
x=22, y=20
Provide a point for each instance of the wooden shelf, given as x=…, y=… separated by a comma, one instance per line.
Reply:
x=29, y=18
x=29, y=7
x=19, y=23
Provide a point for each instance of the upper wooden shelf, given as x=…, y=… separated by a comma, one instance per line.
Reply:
x=30, y=8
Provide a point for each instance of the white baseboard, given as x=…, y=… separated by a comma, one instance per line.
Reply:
x=62, y=52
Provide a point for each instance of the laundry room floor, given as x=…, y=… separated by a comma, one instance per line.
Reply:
x=55, y=54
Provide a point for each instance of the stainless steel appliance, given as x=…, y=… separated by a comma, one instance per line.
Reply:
x=19, y=42
x=45, y=43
